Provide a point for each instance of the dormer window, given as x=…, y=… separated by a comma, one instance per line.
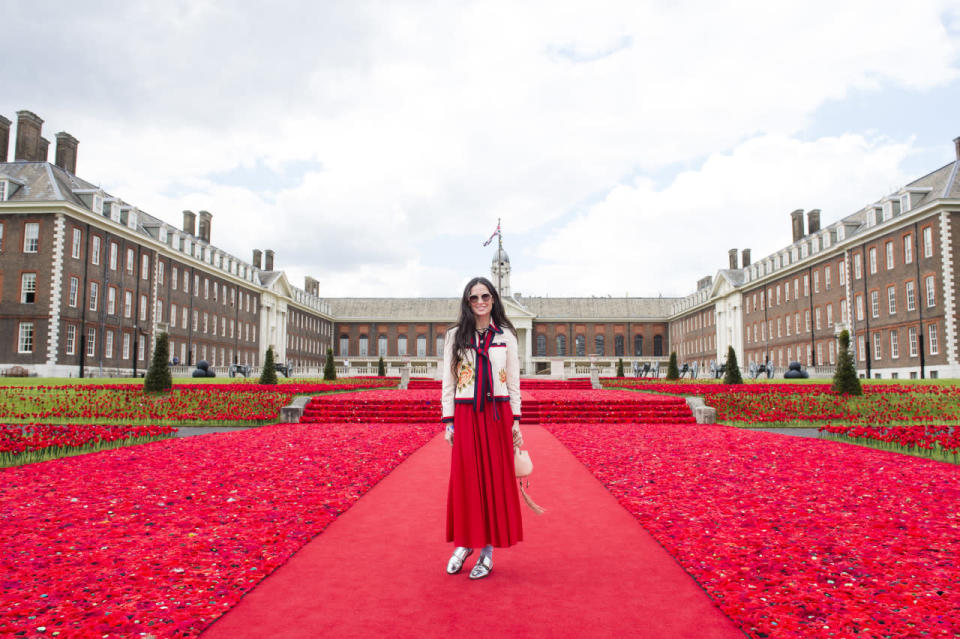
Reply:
x=97, y=204
x=3, y=190
x=132, y=219
x=839, y=234
x=115, y=212
x=163, y=234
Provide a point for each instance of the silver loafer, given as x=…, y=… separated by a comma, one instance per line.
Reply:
x=483, y=567
x=456, y=561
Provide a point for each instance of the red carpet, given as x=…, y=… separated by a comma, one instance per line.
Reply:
x=586, y=569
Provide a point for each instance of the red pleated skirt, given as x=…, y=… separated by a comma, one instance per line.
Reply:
x=483, y=502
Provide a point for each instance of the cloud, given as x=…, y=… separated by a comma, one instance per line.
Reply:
x=385, y=131
x=647, y=241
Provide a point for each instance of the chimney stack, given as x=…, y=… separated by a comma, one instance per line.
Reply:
x=5, y=138
x=311, y=286
x=813, y=221
x=956, y=145
x=205, y=219
x=190, y=222
x=66, y=157
x=257, y=255
x=43, y=149
x=28, y=136
x=268, y=260
x=797, y=220
x=746, y=258
x=733, y=259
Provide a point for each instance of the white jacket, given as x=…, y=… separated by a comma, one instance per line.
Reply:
x=468, y=387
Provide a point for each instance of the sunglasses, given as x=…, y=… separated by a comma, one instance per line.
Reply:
x=477, y=298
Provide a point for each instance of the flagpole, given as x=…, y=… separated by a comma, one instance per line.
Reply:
x=499, y=259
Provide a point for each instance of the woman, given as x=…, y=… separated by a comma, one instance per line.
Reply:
x=481, y=410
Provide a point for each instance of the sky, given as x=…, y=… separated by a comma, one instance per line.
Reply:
x=625, y=146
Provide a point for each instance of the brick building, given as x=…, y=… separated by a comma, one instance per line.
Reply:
x=87, y=281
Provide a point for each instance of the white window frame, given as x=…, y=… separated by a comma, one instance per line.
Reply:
x=31, y=237
x=25, y=338
x=71, y=345
x=933, y=339
x=75, y=248
x=28, y=287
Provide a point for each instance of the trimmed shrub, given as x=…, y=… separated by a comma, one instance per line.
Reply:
x=845, y=380
x=329, y=370
x=731, y=373
x=673, y=371
x=269, y=373
x=159, y=379
x=620, y=367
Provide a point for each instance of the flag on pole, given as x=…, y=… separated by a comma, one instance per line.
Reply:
x=495, y=234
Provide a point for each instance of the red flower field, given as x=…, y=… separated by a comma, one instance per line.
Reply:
x=792, y=537
x=163, y=538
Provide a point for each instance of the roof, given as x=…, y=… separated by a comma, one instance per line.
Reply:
x=625, y=308
x=395, y=308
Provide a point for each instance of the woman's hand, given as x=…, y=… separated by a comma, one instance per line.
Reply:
x=517, y=435
x=448, y=434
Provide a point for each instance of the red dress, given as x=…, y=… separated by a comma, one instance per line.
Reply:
x=483, y=501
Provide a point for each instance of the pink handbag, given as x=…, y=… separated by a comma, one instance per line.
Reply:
x=523, y=466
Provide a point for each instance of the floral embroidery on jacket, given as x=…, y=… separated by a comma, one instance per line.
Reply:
x=502, y=375
x=464, y=375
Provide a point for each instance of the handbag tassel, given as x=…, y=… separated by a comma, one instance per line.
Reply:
x=533, y=506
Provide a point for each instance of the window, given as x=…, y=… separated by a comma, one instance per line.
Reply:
x=796, y=325
x=857, y=267
x=581, y=346
x=3, y=190
x=344, y=344
x=796, y=288
x=196, y=320
x=173, y=277
x=25, y=341
x=143, y=308
x=618, y=345
x=830, y=314
x=859, y=308
x=439, y=345
x=74, y=289
x=816, y=281
x=108, y=345
x=71, y=339
x=927, y=235
x=421, y=345
x=806, y=286
x=889, y=248
x=75, y=247
x=892, y=300
x=874, y=304
x=183, y=318
x=894, y=345
x=127, y=303
x=598, y=341
x=780, y=327
x=778, y=295
x=541, y=345
x=31, y=244
x=911, y=297
x=826, y=277
x=931, y=291
x=842, y=273
x=908, y=248
x=158, y=312
x=196, y=285
x=402, y=345
x=932, y=336
x=658, y=345
x=206, y=323
x=816, y=317
x=173, y=316
x=362, y=346
x=216, y=292
x=873, y=260
x=832, y=350
x=561, y=345
x=111, y=300
x=861, y=348
x=877, y=352
x=95, y=250
x=91, y=342
x=28, y=288
x=806, y=321
x=159, y=273
x=114, y=251
x=912, y=340
x=144, y=267
x=94, y=291
x=381, y=345
x=638, y=345
x=206, y=289
x=843, y=311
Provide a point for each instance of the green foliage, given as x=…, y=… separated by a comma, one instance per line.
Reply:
x=731, y=373
x=158, y=379
x=381, y=368
x=329, y=370
x=620, y=367
x=845, y=380
x=269, y=373
x=673, y=371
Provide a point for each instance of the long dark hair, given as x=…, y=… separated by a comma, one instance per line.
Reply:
x=467, y=324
